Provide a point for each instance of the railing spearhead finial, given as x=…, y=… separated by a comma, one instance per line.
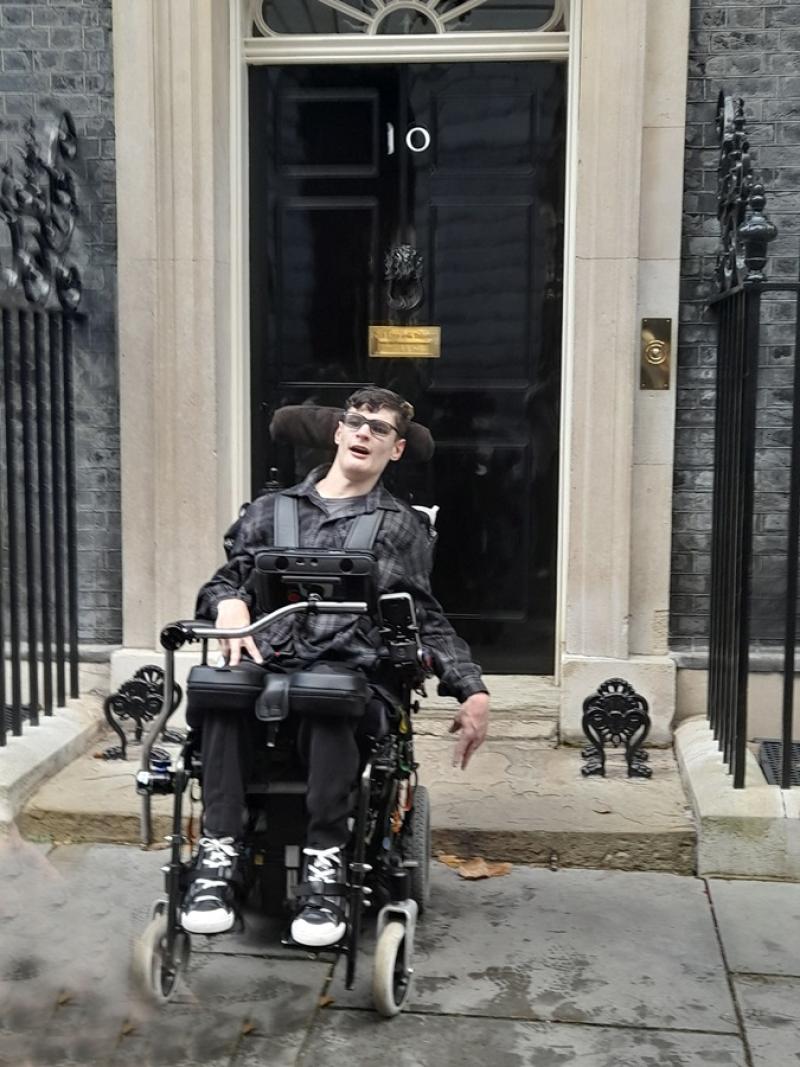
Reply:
x=755, y=234
x=745, y=232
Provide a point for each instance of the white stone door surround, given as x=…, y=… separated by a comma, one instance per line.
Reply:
x=180, y=90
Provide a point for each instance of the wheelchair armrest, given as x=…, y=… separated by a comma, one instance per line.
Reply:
x=176, y=634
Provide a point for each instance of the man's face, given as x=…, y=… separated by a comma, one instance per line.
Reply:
x=362, y=454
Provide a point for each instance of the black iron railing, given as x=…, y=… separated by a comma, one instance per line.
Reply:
x=38, y=548
x=745, y=233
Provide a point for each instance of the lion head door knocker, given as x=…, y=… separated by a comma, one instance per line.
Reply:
x=402, y=336
x=403, y=273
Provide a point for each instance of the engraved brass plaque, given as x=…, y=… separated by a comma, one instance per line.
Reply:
x=656, y=354
x=405, y=342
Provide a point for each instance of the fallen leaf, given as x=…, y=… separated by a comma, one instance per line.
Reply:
x=477, y=867
x=127, y=1028
x=326, y=1001
x=158, y=846
x=64, y=998
x=248, y=1027
x=449, y=860
x=603, y=811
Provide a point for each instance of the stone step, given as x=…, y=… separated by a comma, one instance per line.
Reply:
x=525, y=803
x=502, y=728
x=520, y=800
x=512, y=695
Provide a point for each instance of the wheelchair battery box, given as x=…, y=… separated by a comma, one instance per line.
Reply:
x=224, y=688
x=285, y=576
x=328, y=690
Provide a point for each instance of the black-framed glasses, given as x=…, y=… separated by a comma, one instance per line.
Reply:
x=377, y=427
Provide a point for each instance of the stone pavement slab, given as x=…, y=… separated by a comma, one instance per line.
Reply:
x=537, y=967
x=69, y=920
x=759, y=925
x=275, y=1013
x=348, y=1038
x=771, y=1013
x=227, y=1002
x=605, y=948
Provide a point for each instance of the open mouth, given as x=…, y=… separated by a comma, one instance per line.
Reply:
x=359, y=450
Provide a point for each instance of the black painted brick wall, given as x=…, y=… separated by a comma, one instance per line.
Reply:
x=748, y=48
x=56, y=56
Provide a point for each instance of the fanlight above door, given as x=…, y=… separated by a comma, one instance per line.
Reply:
x=278, y=18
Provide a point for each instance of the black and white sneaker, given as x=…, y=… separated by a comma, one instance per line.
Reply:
x=320, y=921
x=208, y=906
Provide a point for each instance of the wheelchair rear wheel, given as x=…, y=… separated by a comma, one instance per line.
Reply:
x=157, y=974
x=391, y=973
x=419, y=848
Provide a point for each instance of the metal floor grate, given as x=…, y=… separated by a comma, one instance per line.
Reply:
x=770, y=759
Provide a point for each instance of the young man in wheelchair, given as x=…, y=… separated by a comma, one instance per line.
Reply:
x=370, y=435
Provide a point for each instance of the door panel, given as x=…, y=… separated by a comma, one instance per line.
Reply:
x=334, y=185
x=503, y=144
x=324, y=249
x=328, y=134
x=477, y=262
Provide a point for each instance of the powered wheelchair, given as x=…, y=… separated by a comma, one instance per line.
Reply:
x=388, y=857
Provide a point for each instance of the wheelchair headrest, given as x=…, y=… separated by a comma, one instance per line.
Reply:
x=310, y=426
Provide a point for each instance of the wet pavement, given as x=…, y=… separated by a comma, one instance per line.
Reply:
x=539, y=967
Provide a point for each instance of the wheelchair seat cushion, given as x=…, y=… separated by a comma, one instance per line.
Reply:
x=323, y=689
x=224, y=688
x=328, y=689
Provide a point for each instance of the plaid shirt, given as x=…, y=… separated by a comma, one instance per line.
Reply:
x=403, y=552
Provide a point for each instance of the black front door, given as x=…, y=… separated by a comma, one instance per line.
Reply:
x=464, y=162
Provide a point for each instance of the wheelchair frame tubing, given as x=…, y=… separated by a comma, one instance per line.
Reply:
x=358, y=872
x=157, y=726
x=173, y=874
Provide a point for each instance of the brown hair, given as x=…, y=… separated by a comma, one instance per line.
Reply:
x=373, y=398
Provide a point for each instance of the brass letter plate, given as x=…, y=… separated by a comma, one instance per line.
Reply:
x=656, y=352
x=405, y=342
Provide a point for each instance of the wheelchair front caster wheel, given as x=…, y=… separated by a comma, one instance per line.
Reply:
x=155, y=972
x=391, y=974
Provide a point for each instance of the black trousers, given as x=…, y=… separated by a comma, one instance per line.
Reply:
x=330, y=747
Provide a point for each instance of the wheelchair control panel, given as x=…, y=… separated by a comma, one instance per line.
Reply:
x=287, y=576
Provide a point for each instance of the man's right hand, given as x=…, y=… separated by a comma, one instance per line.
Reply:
x=231, y=615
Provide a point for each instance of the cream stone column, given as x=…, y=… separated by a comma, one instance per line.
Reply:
x=171, y=63
x=616, y=585
x=661, y=209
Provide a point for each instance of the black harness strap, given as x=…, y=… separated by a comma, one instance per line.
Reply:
x=364, y=532
x=361, y=538
x=287, y=526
